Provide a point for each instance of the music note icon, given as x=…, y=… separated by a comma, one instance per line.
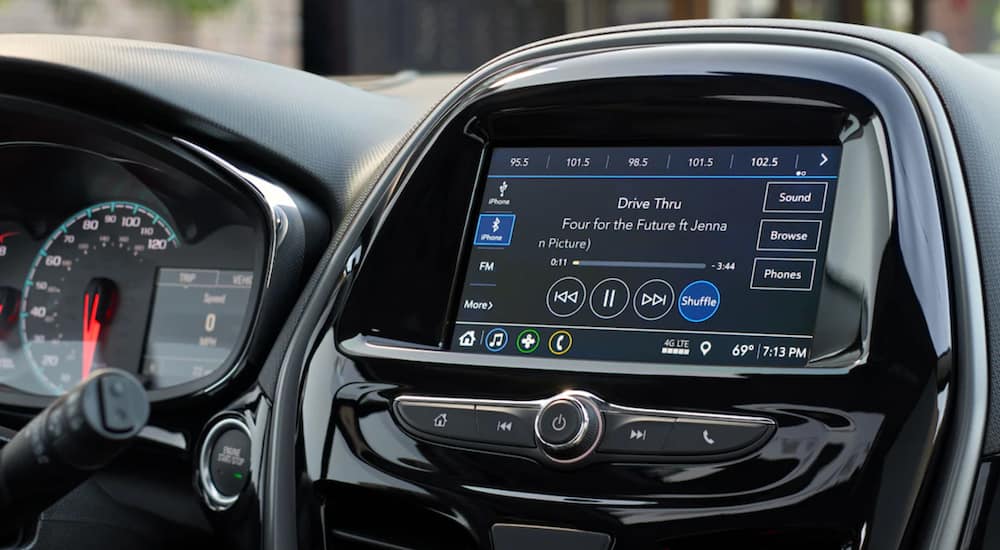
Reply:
x=496, y=340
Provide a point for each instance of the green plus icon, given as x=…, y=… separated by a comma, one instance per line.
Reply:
x=528, y=340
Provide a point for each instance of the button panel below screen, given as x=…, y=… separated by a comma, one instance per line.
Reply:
x=643, y=435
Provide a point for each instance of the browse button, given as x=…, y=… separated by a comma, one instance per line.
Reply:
x=797, y=235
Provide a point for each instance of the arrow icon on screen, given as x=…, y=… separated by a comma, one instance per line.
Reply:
x=567, y=296
x=652, y=299
x=825, y=159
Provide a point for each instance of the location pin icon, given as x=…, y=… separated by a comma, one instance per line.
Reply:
x=706, y=347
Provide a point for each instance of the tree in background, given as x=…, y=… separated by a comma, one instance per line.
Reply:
x=196, y=8
x=184, y=13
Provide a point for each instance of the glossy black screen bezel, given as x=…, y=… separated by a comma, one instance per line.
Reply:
x=529, y=116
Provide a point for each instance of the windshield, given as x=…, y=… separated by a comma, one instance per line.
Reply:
x=369, y=37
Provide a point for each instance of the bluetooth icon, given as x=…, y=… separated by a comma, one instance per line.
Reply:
x=494, y=229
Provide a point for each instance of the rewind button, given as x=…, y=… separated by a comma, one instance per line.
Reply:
x=506, y=425
x=635, y=434
x=566, y=296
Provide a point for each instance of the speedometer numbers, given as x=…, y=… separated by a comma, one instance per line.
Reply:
x=86, y=299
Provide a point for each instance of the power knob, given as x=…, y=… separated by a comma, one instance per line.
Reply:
x=568, y=427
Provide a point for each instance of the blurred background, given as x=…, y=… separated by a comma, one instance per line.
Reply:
x=351, y=37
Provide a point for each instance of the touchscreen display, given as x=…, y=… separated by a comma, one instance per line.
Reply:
x=709, y=255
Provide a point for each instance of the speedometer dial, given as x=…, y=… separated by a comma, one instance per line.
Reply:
x=86, y=300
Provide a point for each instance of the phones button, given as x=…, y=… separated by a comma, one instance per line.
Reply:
x=560, y=342
x=693, y=436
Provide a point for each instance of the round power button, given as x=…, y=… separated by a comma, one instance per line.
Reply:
x=559, y=422
x=568, y=427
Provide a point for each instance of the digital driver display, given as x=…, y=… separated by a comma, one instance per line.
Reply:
x=668, y=254
x=196, y=322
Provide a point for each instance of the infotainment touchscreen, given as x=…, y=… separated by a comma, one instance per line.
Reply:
x=706, y=255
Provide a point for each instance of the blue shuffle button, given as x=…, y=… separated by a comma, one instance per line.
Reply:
x=494, y=229
x=699, y=301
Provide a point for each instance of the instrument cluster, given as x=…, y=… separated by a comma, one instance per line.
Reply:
x=112, y=259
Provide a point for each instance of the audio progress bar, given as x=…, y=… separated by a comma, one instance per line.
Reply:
x=655, y=265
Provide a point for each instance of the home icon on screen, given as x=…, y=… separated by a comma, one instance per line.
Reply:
x=467, y=339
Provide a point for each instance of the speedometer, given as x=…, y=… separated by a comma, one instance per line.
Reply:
x=86, y=299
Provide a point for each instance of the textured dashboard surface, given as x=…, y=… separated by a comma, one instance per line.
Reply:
x=334, y=134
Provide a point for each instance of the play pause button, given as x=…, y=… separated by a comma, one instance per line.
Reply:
x=609, y=298
x=653, y=299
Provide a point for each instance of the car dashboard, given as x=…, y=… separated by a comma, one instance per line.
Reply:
x=114, y=258
x=692, y=285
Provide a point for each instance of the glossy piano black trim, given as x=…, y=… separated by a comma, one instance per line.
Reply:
x=238, y=524
x=982, y=526
x=393, y=400
x=844, y=413
x=415, y=307
x=809, y=97
x=948, y=489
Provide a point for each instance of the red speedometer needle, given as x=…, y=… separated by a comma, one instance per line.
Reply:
x=91, y=331
x=98, y=302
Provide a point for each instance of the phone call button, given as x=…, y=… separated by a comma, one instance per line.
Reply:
x=691, y=436
x=560, y=342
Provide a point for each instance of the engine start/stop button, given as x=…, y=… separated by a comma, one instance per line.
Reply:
x=225, y=463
